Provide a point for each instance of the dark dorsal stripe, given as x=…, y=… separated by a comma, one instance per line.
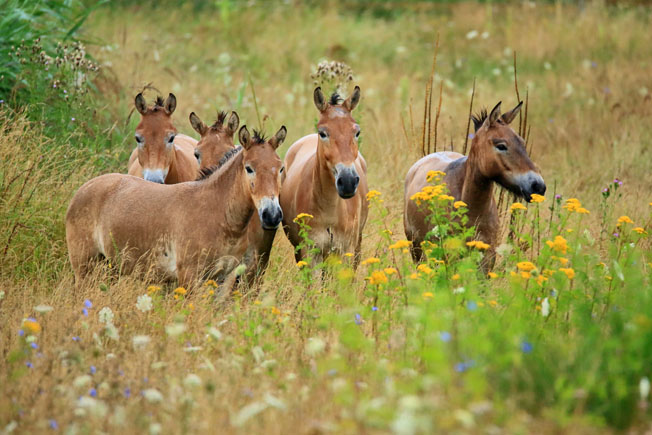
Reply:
x=207, y=172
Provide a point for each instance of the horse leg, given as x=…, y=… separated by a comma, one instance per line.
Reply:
x=357, y=254
x=416, y=251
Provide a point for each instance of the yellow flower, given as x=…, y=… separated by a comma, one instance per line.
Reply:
x=211, y=292
x=427, y=295
x=414, y=276
x=301, y=264
x=434, y=175
x=389, y=270
x=371, y=260
x=32, y=326
x=624, y=220
x=455, y=277
x=257, y=302
x=424, y=268
x=302, y=216
x=562, y=260
x=446, y=198
x=526, y=266
x=640, y=230
x=492, y=275
x=582, y=210
x=401, y=244
x=180, y=291
x=378, y=277
x=526, y=275
x=191, y=306
x=372, y=194
x=459, y=204
x=477, y=244
x=558, y=244
x=153, y=289
x=517, y=206
x=541, y=279
x=537, y=198
x=388, y=232
x=211, y=283
x=570, y=273
x=493, y=303
x=348, y=254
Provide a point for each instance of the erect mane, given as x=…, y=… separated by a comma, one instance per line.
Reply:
x=159, y=103
x=336, y=99
x=207, y=172
x=259, y=137
x=219, y=122
x=479, y=118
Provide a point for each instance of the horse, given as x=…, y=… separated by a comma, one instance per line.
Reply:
x=161, y=155
x=215, y=141
x=187, y=230
x=326, y=177
x=498, y=155
x=216, y=145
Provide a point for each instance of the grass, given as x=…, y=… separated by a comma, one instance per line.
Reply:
x=311, y=356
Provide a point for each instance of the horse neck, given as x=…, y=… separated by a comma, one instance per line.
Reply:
x=173, y=172
x=324, y=192
x=477, y=190
x=227, y=190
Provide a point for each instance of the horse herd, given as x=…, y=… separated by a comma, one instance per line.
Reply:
x=199, y=209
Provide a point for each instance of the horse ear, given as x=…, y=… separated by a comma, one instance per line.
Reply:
x=232, y=125
x=279, y=137
x=170, y=104
x=353, y=100
x=320, y=100
x=245, y=137
x=508, y=117
x=197, y=124
x=141, y=104
x=493, y=116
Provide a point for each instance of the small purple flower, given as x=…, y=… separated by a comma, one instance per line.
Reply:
x=88, y=303
x=72, y=119
x=471, y=305
x=463, y=366
x=53, y=424
x=374, y=308
x=21, y=332
x=526, y=346
x=616, y=181
x=620, y=183
x=85, y=312
x=127, y=392
x=616, y=235
x=65, y=92
x=358, y=319
x=93, y=370
x=75, y=338
x=33, y=345
x=29, y=365
x=54, y=85
x=605, y=190
x=445, y=336
x=92, y=392
x=2, y=101
x=557, y=196
x=471, y=135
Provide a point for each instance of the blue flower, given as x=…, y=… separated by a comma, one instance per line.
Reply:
x=471, y=135
x=127, y=392
x=33, y=345
x=75, y=338
x=445, y=336
x=93, y=370
x=84, y=311
x=374, y=308
x=358, y=319
x=471, y=305
x=92, y=392
x=29, y=365
x=53, y=424
x=88, y=304
x=21, y=332
x=526, y=346
x=464, y=365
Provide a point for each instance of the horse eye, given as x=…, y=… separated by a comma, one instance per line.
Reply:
x=357, y=134
x=197, y=155
x=501, y=147
x=138, y=138
x=323, y=135
x=281, y=171
x=171, y=138
x=249, y=169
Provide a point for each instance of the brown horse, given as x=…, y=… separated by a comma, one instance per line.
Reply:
x=215, y=146
x=161, y=155
x=215, y=140
x=187, y=230
x=326, y=177
x=497, y=154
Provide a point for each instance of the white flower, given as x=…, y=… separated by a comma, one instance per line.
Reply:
x=106, y=316
x=315, y=346
x=144, y=303
x=214, y=333
x=192, y=349
x=155, y=428
x=140, y=342
x=152, y=395
x=472, y=34
x=42, y=308
x=175, y=329
x=112, y=332
x=644, y=387
x=459, y=290
x=95, y=407
x=484, y=35
x=81, y=381
x=545, y=307
x=192, y=381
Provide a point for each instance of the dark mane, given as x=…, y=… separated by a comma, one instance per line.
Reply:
x=259, y=137
x=207, y=172
x=219, y=122
x=479, y=118
x=159, y=101
x=336, y=99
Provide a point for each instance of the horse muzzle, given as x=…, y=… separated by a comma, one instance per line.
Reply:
x=530, y=183
x=270, y=213
x=155, y=175
x=346, y=180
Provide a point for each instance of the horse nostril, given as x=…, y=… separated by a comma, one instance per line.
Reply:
x=357, y=179
x=340, y=182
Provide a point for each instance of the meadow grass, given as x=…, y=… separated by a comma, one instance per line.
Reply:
x=559, y=339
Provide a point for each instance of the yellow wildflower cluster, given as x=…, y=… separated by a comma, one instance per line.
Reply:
x=31, y=326
x=377, y=277
x=624, y=220
x=558, y=244
x=459, y=204
x=401, y=244
x=434, y=176
x=640, y=230
x=153, y=289
x=427, y=295
x=537, y=198
x=428, y=193
x=492, y=275
x=373, y=194
x=210, y=283
x=301, y=216
x=562, y=260
x=390, y=270
x=371, y=260
x=517, y=206
x=574, y=205
x=180, y=291
x=541, y=279
x=301, y=264
x=424, y=269
x=570, y=273
x=478, y=245
x=526, y=266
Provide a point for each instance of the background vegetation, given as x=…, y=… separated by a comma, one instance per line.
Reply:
x=409, y=352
